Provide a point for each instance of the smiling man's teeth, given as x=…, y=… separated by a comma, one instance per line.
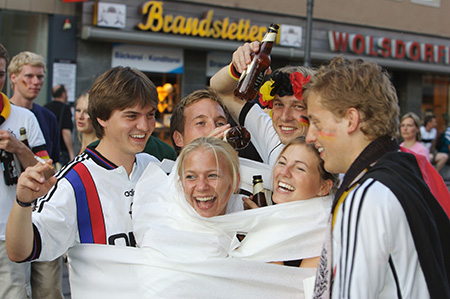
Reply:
x=287, y=128
x=320, y=149
x=138, y=136
x=204, y=198
x=285, y=186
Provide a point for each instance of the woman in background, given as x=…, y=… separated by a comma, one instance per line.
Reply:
x=410, y=132
x=85, y=130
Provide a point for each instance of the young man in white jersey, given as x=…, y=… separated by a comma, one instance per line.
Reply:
x=388, y=234
x=14, y=277
x=282, y=94
x=89, y=201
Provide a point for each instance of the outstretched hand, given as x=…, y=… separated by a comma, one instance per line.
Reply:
x=32, y=183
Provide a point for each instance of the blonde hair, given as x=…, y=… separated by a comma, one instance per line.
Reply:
x=362, y=85
x=25, y=58
x=221, y=149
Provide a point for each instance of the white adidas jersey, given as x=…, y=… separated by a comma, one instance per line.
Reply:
x=374, y=255
x=90, y=204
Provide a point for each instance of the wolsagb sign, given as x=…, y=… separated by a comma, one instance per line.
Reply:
x=359, y=44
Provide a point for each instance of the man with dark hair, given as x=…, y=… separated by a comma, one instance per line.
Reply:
x=63, y=114
x=282, y=94
x=429, y=135
x=14, y=278
x=389, y=236
x=89, y=202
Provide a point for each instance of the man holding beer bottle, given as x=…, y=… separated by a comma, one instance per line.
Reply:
x=282, y=94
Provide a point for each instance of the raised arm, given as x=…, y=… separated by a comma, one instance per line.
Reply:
x=19, y=229
x=225, y=80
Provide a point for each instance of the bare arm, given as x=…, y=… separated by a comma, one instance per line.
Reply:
x=224, y=84
x=67, y=136
x=19, y=229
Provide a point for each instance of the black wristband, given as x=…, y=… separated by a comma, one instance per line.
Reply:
x=24, y=204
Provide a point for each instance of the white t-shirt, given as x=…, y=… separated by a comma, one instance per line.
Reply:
x=19, y=117
x=91, y=203
x=263, y=135
x=427, y=138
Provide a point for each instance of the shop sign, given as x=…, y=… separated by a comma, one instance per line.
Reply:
x=387, y=47
x=148, y=59
x=157, y=21
x=215, y=61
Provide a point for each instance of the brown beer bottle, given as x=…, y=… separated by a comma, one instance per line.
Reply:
x=258, y=191
x=251, y=78
x=23, y=136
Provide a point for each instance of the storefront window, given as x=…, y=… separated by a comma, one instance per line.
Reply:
x=168, y=86
x=435, y=98
x=23, y=31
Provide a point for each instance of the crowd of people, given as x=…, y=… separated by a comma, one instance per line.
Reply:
x=356, y=207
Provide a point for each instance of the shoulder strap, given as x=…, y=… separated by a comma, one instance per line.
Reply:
x=91, y=223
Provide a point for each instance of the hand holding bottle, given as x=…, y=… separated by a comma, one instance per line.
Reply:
x=252, y=77
x=243, y=55
x=10, y=143
x=249, y=203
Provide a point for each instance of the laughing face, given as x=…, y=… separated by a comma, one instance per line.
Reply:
x=127, y=131
x=207, y=182
x=289, y=118
x=296, y=175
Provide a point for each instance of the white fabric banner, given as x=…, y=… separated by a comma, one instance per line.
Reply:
x=184, y=255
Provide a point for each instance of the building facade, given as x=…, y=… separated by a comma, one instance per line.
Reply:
x=181, y=44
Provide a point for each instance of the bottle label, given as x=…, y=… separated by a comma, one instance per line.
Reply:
x=258, y=81
x=248, y=70
x=269, y=37
x=258, y=187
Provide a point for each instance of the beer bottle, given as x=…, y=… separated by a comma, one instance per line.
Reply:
x=10, y=173
x=258, y=191
x=238, y=137
x=251, y=78
x=23, y=136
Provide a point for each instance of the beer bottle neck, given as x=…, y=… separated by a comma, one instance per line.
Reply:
x=267, y=42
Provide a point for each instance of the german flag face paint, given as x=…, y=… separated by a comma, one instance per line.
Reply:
x=304, y=121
